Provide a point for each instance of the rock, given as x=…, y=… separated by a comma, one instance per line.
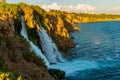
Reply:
x=58, y=28
x=6, y=26
x=57, y=74
x=13, y=49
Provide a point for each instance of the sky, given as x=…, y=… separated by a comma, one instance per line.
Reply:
x=78, y=6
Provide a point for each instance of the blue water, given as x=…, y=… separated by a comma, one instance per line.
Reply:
x=99, y=44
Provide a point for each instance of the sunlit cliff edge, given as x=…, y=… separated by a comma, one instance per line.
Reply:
x=16, y=60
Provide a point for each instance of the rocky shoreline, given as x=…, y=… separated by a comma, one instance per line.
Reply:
x=15, y=56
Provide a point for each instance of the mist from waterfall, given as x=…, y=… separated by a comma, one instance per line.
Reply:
x=33, y=48
x=49, y=48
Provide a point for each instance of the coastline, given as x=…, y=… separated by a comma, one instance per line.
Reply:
x=57, y=25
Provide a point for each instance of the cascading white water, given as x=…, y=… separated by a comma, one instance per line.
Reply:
x=49, y=47
x=83, y=66
x=34, y=48
x=53, y=55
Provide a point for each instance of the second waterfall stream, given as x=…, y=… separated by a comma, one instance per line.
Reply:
x=50, y=52
x=49, y=48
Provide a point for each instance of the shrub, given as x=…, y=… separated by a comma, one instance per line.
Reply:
x=32, y=57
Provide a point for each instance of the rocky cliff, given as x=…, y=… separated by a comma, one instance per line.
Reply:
x=57, y=27
x=16, y=60
x=15, y=55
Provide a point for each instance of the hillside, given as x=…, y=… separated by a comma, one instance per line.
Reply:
x=85, y=17
x=16, y=60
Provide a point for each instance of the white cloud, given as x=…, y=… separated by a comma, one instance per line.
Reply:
x=81, y=8
x=114, y=10
x=117, y=8
x=52, y=6
x=71, y=8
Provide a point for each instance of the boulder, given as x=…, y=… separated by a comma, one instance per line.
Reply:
x=57, y=74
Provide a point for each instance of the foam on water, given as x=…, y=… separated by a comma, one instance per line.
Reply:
x=72, y=66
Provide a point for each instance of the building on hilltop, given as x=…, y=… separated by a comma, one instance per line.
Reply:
x=2, y=0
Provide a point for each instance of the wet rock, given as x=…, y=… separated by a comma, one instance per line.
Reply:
x=57, y=74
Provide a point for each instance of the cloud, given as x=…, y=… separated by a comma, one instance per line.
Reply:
x=80, y=8
x=114, y=10
x=54, y=6
x=117, y=8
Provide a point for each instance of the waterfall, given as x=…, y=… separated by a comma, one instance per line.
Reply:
x=53, y=55
x=34, y=48
x=49, y=48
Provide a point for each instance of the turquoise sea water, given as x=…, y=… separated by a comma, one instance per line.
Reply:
x=99, y=45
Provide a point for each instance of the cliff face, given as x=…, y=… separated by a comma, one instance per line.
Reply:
x=6, y=26
x=15, y=53
x=84, y=18
x=57, y=27
x=14, y=50
x=57, y=30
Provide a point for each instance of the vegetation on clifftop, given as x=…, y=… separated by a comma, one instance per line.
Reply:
x=15, y=56
x=16, y=59
x=57, y=23
x=84, y=17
